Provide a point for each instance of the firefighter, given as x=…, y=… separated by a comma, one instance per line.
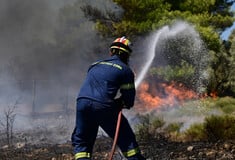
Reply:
x=98, y=105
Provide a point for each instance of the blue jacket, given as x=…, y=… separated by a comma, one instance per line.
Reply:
x=105, y=78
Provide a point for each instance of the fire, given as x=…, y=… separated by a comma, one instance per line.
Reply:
x=147, y=98
x=163, y=94
x=213, y=95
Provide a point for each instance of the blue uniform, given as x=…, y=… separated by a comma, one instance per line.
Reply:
x=96, y=106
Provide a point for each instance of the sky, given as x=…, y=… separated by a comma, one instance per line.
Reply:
x=227, y=32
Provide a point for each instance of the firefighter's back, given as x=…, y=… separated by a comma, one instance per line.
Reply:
x=104, y=79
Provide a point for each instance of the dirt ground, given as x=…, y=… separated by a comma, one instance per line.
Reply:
x=154, y=149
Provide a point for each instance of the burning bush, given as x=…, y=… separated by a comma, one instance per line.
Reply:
x=158, y=95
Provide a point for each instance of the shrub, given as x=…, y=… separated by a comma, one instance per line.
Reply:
x=182, y=73
x=196, y=132
x=142, y=129
x=173, y=127
x=172, y=131
x=220, y=127
x=226, y=104
x=157, y=123
x=148, y=126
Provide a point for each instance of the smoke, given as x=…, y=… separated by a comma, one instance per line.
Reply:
x=46, y=47
x=29, y=44
x=22, y=22
x=33, y=41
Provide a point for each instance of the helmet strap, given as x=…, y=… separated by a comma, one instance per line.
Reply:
x=121, y=54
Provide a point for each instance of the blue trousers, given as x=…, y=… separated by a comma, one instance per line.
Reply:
x=89, y=116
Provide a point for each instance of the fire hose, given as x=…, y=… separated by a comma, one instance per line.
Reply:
x=116, y=135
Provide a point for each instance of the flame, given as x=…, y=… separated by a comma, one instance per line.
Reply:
x=163, y=94
x=213, y=95
x=147, y=98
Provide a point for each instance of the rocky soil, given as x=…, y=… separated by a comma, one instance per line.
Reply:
x=155, y=149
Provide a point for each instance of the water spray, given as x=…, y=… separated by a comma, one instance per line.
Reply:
x=150, y=55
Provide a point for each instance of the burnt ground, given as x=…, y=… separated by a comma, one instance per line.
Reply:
x=154, y=149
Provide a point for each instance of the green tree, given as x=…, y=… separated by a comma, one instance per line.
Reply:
x=222, y=79
x=210, y=18
x=229, y=86
x=141, y=16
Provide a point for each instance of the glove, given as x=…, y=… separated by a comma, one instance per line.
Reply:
x=120, y=103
